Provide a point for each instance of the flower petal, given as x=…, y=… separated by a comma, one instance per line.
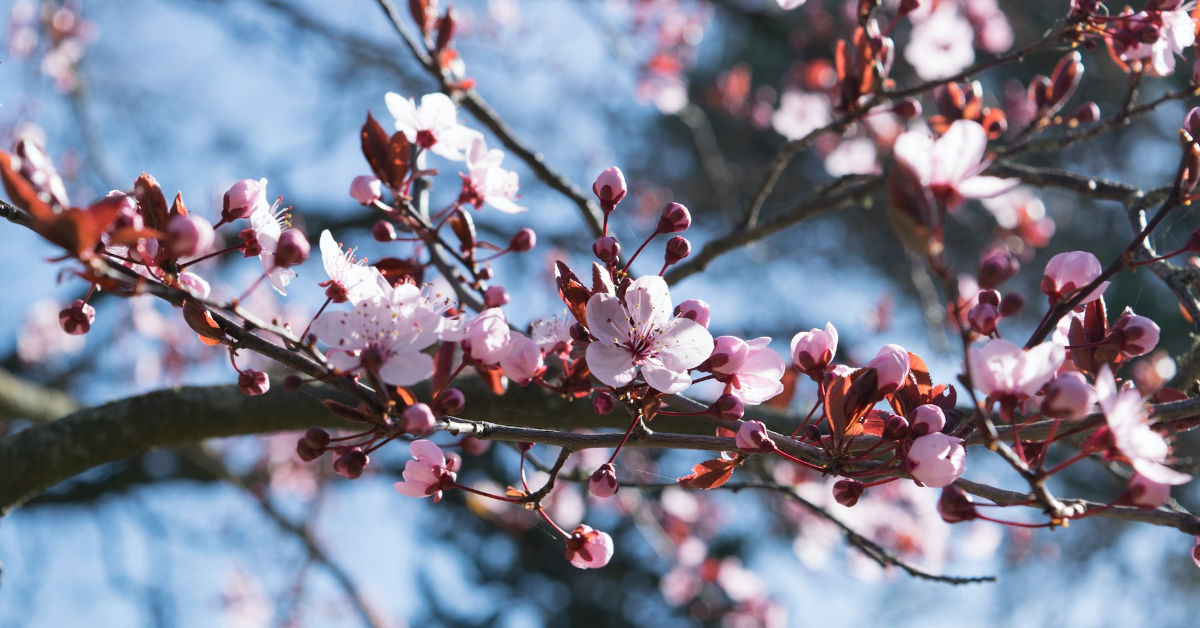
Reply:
x=684, y=344
x=611, y=363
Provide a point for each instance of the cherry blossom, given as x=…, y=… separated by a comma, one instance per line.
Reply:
x=891, y=367
x=434, y=125
x=927, y=419
x=1176, y=33
x=522, y=360
x=428, y=474
x=349, y=279
x=757, y=374
x=814, y=349
x=1146, y=493
x=1133, y=335
x=1071, y=271
x=488, y=182
x=639, y=332
x=266, y=226
x=937, y=459
x=487, y=336
x=1001, y=369
x=753, y=437
x=588, y=548
x=1132, y=438
x=553, y=334
x=1069, y=397
x=384, y=335
x=950, y=166
x=801, y=113
x=243, y=199
x=942, y=44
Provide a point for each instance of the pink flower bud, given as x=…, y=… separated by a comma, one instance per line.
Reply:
x=847, y=492
x=603, y=483
x=1133, y=335
x=926, y=419
x=306, y=452
x=450, y=401
x=253, y=383
x=983, y=318
x=675, y=218
x=813, y=350
x=1068, y=397
x=955, y=505
x=524, y=360
x=936, y=459
x=292, y=249
x=1068, y=272
x=895, y=428
x=383, y=231
x=351, y=464
x=693, y=309
x=729, y=353
x=495, y=296
x=419, y=419
x=588, y=548
x=188, y=236
x=1147, y=494
x=604, y=402
x=523, y=240
x=678, y=248
x=76, y=319
x=366, y=189
x=990, y=297
x=997, y=267
x=727, y=408
x=891, y=368
x=752, y=437
x=1011, y=304
x=610, y=188
x=243, y=198
x=606, y=249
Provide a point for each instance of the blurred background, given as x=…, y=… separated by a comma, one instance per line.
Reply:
x=693, y=100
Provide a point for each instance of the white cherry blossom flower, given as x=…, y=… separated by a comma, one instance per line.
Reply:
x=349, y=277
x=1132, y=437
x=434, y=125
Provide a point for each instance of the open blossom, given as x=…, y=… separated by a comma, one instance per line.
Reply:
x=640, y=332
x=428, y=474
x=385, y=335
x=266, y=227
x=753, y=371
x=951, y=165
x=487, y=336
x=942, y=44
x=553, y=334
x=1130, y=431
x=488, y=182
x=434, y=125
x=1176, y=32
x=801, y=113
x=349, y=279
x=588, y=548
x=1002, y=369
x=937, y=459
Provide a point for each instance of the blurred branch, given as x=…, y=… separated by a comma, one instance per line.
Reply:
x=20, y=398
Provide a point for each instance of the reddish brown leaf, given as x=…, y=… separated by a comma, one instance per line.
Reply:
x=397, y=270
x=77, y=230
x=873, y=423
x=177, y=207
x=835, y=404
x=494, y=379
x=572, y=292
x=405, y=396
x=709, y=474
x=376, y=147
x=151, y=201
x=398, y=160
x=464, y=228
x=443, y=361
x=202, y=322
x=420, y=14
x=21, y=191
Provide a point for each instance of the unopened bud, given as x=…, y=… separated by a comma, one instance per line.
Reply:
x=675, y=218
x=1068, y=397
x=696, y=310
x=578, y=333
x=996, y=267
x=351, y=464
x=316, y=438
x=495, y=296
x=1012, y=303
x=847, y=492
x=983, y=317
x=383, y=231
x=895, y=428
x=604, y=402
x=523, y=240
x=450, y=401
x=727, y=408
x=292, y=382
x=1087, y=113
x=907, y=108
x=243, y=198
x=955, y=505
x=292, y=249
x=678, y=248
x=366, y=189
x=989, y=297
x=606, y=249
x=253, y=383
x=752, y=437
x=76, y=319
x=1191, y=122
x=610, y=188
x=603, y=483
x=419, y=419
x=188, y=235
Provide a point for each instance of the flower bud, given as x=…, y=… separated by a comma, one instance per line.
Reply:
x=675, y=218
x=607, y=249
x=1087, y=113
x=907, y=108
x=729, y=353
x=253, y=383
x=813, y=350
x=1147, y=494
x=453, y=461
x=1067, y=272
x=610, y=188
x=243, y=198
x=603, y=483
x=997, y=267
x=316, y=438
x=678, y=248
x=693, y=309
x=366, y=189
x=936, y=459
x=188, y=236
x=895, y=428
x=847, y=492
x=292, y=382
x=305, y=451
x=418, y=419
x=475, y=446
x=752, y=437
x=1133, y=335
x=1068, y=397
x=727, y=408
x=604, y=402
x=955, y=505
x=578, y=333
x=989, y=297
x=1011, y=304
x=495, y=296
x=351, y=464
x=1191, y=122
x=76, y=319
x=383, y=231
x=926, y=419
x=523, y=240
x=983, y=318
x=292, y=249
x=450, y=401
x=891, y=368
x=588, y=548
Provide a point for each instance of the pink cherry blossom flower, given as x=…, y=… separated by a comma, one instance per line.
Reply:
x=937, y=459
x=349, y=279
x=758, y=375
x=801, y=113
x=523, y=359
x=553, y=334
x=1069, y=272
x=694, y=309
x=640, y=332
x=1131, y=435
x=243, y=199
x=891, y=368
x=814, y=349
x=488, y=182
x=1146, y=493
x=384, y=335
x=427, y=474
x=951, y=165
x=1001, y=369
x=942, y=44
x=487, y=336
x=1176, y=34
x=266, y=225
x=434, y=125
x=588, y=548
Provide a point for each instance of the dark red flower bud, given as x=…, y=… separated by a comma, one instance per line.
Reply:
x=351, y=464
x=990, y=297
x=253, y=383
x=678, y=248
x=955, y=505
x=292, y=382
x=1087, y=113
x=1012, y=303
x=383, y=231
x=604, y=402
x=983, y=318
x=907, y=108
x=606, y=249
x=524, y=240
x=847, y=492
x=292, y=249
x=675, y=218
x=450, y=401
x=76, y=319
x=996, y=267
x=316, y=438
x=728, y=408
x=579, y=333
x=895, y=428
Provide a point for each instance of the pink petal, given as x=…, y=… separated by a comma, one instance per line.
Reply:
x=427, y=451
x=684, y=344
x=958, y=152
x=405, y=369
x=1156, y=472
x=607, y=319
x=664, y=379
x=986, y=187
x=611, y=363
x=648, y=301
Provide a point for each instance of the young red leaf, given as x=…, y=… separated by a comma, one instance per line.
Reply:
x=397, y=270
x=151, y=201
x=572, y=292
x=376, y=147
x=464, y=228
x=709, y=474
x=21, y=191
